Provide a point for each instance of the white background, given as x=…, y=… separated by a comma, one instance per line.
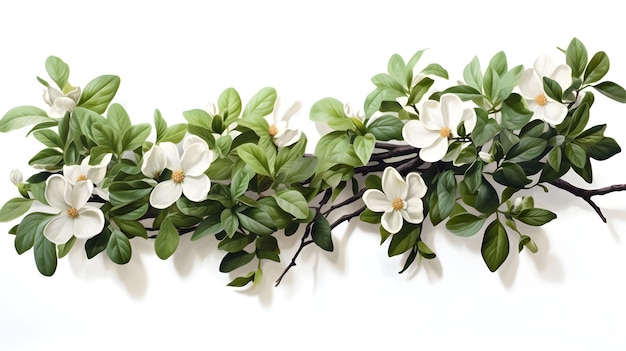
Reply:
x=178, y=57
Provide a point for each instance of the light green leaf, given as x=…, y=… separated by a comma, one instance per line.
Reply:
x=31, y=226
x=23, y=116
x=292, y=202
x=254, y=156
x=58, y=71
x=135, y=136
x=98, y=93
x=330, y=111
x=436, y=69
x=118, y=118
x=473, y=75
x=261, y=104
x=229, y=105
x=229, y=221
x=465, y=224
x=47, y=157
x=14, y=208
x=364, y=146
x=49, y=138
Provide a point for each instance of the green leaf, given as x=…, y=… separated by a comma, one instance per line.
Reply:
x=604, y=149
x=486, y=128
x=14, y=208
x=576, y=57
x=167, y=240
x=301, y=170
x=31, y=226
x=242, y=281
x=125, y=192
x=554, y=158
x=610, y=89
x=330, y=111
x=98, y=93
x=135, y=136
x=511, y=174
x=229, y=221
x=131, y=228
x=373, y=101
x=229, y=105
x=515, y=113
x=446, y=193
x=525, y=240
x=23, y=116
x=498, y=63
x=435, y=69
x=404, y=240
x=597, y=68
x=321, y=234
x=386, y=128
x=199, y=118
x=254, y=156
x=535, y=216
x=48, y=138
x=465, y=224
x=58, y=71
x=576, y=155
x=473, y=176
x=235, y=243
x=210, y=226
x=579, y=120
x=45, y=254
x=364, y=146
x=234, y=260
x=256, y=221
x=369, y=216
x=292, y=202
x=553, y=89
x=239, y=184
x=487, y=197
x=527, y=149
x=64, y=249
x=495, y=245
x=491, y=85
x=473, y=75
x=118, y=247
x=46, y=157
x=509, y=80
x=261, y=104
x=118, y=118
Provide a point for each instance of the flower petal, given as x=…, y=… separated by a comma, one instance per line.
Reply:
x=417, y=187
x=74, y=94
x=286, y=137
x=451, y=110
x=544, y=66
x=563, y=75
x=392, y=221
x=554, y=112
x=57, y=192
x=154, y=162
x=436, y=151
x=431, y=115
x=193, y=139
x=530, y=84
x=415, y=134
x=414, y=212
x=89, y=222
x=376, y=201
x=195, y=160
x=469, y=116
x=196, y=188
x=172, y=156
x=165, y=194
x=60, y=229
x=60, y=106
x=72, y=173
x=292, y=111
x=81, y=193
x=393, y=185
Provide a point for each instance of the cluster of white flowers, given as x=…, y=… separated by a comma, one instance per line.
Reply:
x=61, y=103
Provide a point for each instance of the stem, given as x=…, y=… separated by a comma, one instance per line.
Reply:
x=303, y=243
x=586, y=194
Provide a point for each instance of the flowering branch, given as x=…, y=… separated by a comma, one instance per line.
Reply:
x=586, y=194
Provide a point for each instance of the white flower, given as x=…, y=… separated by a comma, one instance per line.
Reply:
x=16, y=177
x=279, y=129
x=94, y=174
x=61, y=103
x=531, y=87
x=76, y=218
x=347, y=109
x=399, y=199
x=188, y=176
x=438, y=123
x=154, y=161
x=486, y=157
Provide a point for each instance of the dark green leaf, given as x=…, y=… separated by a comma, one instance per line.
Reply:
x=167, y=240
x=404, y=240
x=576, y=155
x=369, y=216
x=527, y=149
x=31, y=226
x=535, y=216
x=321, y=233
x=515, y=113
x=465, y=224
x=486, y=128
x=604, y=149
x=234, y=260
x=386, y=128
x=576, y=57
x=242, y=281
x=495, y=245
x=612, y=90
x=553, y=89
x=118, y=247
x=425, y=251
x=229, y=221
x=511, y=174
x=97, y=244
x=597, y=68
x=45, y=254
x=446, y=193
x=125, y=192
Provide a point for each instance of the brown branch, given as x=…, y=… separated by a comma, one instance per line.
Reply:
x=303, y=243
x=586, y=194
x=347, y=217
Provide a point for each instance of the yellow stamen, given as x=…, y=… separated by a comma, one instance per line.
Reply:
x=273, y=130
x=72, y=212
x=81, y=178
x=397, y=204
x=541, y=99
x=178, y=176
x=445, y=132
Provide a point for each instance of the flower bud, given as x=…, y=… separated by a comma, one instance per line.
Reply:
x=486, y=157
x=16, y=177
x=517, y=204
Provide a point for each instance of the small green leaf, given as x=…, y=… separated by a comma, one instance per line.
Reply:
x=515, y=113
x=425, y=251
x=234, y=260
x=473, y=74
x=576, y=57
x=31, y=226
x=486, y=128
x=603, y=149
x=498, y=63
x=45, y=254
x=511, y=174
x=48, y=138
x=364, y=146
x=261, y=104
x=254, y=156
x=229, y=105
x=330, y=111
x=369, y=216
x=210, y=226
x=597, y=68
x=135, y=136
x=242, y=281
x=229, y=221
x=527, y=149
x=495, y=245
x=23, y=116
x=167, y=240
x=553, y=89
x=535, y=216
x=64, y=249
x=465, y=224
x=58, y=71
x=386, y=128
x=404, y=240
x=118, y=247
x=435, y=69
x=47, y=157
x=576, y=155
x=118, y=118
x=446, y=193
x=321, y=233
x=14, y=208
